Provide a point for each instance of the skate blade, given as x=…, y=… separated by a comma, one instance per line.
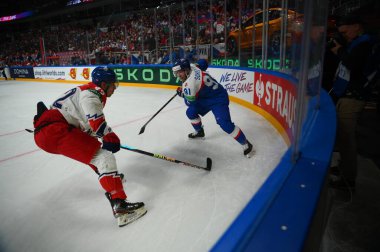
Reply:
x=251, y=154
x=125, y=219
x=197, y=138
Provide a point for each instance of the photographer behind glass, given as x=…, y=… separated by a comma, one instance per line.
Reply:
x=336, y=39
x=350, y=90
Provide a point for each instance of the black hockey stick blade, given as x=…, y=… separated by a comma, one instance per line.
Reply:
x=209, y=164
x=29, y=130
x=142, y=129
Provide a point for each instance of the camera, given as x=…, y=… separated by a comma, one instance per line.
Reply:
x=334, y=38
x=330, y=43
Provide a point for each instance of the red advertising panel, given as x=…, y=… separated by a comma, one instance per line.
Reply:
x=277, y=96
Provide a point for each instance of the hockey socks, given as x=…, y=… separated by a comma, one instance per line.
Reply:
x=112, y=183
x=238, y=135
x=196, y=123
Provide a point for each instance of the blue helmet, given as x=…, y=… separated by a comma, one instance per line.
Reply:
x=181, y=64
x=103, y=74
x=202, y=64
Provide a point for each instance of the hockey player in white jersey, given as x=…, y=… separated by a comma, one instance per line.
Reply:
x=203, y=94
x=72, y=127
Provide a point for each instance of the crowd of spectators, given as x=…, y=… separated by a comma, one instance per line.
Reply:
x=151, y=36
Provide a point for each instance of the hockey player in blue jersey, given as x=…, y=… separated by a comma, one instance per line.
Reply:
x=203, y=94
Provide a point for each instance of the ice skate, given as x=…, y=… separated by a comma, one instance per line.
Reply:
x=197, y=134
x=125, y=219
x=126, y=212
x=248, y=149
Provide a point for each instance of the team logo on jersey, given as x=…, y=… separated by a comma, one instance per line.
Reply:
x=73, y=73
x=86, y=73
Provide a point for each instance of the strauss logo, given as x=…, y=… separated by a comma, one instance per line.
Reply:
x=259, y=90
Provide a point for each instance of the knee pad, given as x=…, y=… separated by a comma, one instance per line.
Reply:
x=192, y=113
x=105, y=161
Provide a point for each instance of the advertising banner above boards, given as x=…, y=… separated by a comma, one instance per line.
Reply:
x=272, y=63
x=148, y=74
x=273, y=92
x=22, y=72
x=63, y=73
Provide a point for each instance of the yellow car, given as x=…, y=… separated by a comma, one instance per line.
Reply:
x=274, y=30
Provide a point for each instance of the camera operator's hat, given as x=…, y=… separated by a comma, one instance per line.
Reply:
x=349, y=20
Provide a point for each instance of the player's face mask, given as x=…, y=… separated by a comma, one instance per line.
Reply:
x=182, y=74
x=111, y=87
x=115, y=85
x=175, y=70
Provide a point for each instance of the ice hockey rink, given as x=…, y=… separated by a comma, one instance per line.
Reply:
x=51, y=203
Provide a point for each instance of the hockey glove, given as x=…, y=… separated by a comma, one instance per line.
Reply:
x=179, y=92
x=111, y=142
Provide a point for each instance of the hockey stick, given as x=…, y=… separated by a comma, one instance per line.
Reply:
x=143, y=127
x=207, y=168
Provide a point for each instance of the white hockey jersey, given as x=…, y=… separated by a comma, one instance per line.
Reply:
x=203, y=89
x=82, y=107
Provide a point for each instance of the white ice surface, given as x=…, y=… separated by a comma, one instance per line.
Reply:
x=51, y=203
